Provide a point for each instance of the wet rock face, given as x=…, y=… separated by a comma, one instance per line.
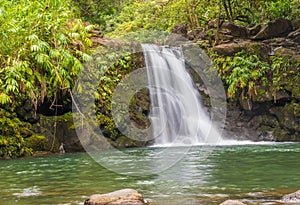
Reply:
x=120, y=197
x=292, y=198
x=266, y=121
x=59, y=129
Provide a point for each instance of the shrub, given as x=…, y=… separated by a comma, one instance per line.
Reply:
x=37, y=142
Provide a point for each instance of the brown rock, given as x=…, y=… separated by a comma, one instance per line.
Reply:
x=278, y=28
x=232, y=202
x=295, y=36
x=254, y=30
x=227, y=49
x=275, y=42
x=196, y=34
x=224, y=38
x=292, y=198
x=296, y=24
x=212, y=24
x=120, y=197
x=231, y=48
x=180, y=29
x=234, y=30
x=284, y=52
x=176, y=40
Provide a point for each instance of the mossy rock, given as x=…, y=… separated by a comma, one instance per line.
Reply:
x=282, y=135
x=125, y=142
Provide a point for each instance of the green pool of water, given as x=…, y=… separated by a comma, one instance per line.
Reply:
x=256, y=174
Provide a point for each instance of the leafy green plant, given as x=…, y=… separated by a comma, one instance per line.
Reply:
x=98, y=11
x=283, y=8
x=241, y=72
x=46, y=53
x=113, y=66
x=285, y=74
x=37, y=142
x=12, y=134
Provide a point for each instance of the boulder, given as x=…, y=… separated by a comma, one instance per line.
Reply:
x=296, y=24
x=291, y=198
x=278, y=28
x=212, y=24
x=295, y=36
x=234, y=30
x=254, y=30
x=229, y=49
x=176, y=40
x=232, y=202
x=225, y=38
x=120, y=197
x=180, y=30
x=284, y=52
x=196, y=34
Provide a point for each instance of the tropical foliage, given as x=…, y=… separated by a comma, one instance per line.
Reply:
x=12, y=134
x=113, y=66
x=247, y=73
x=165, y=14
x=242, y=72
x=42, y=47
x=98, y=11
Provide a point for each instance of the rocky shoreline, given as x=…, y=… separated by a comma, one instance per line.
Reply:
x=133, y=197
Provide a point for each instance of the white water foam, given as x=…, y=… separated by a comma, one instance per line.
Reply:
x=177, y=114
x=32, y=191
x=225, y=143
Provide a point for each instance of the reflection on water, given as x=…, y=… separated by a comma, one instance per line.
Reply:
x=253, y=173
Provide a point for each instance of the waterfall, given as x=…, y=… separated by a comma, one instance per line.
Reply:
x=177, y=114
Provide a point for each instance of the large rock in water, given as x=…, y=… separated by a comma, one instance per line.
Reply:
x=232, y=202
x=120, y=197
x=292, y=198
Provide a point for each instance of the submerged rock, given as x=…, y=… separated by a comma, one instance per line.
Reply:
x=120, y=197
x=232, y=202
x=291, y=198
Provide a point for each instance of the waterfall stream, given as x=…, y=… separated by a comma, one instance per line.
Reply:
x=177, y=114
